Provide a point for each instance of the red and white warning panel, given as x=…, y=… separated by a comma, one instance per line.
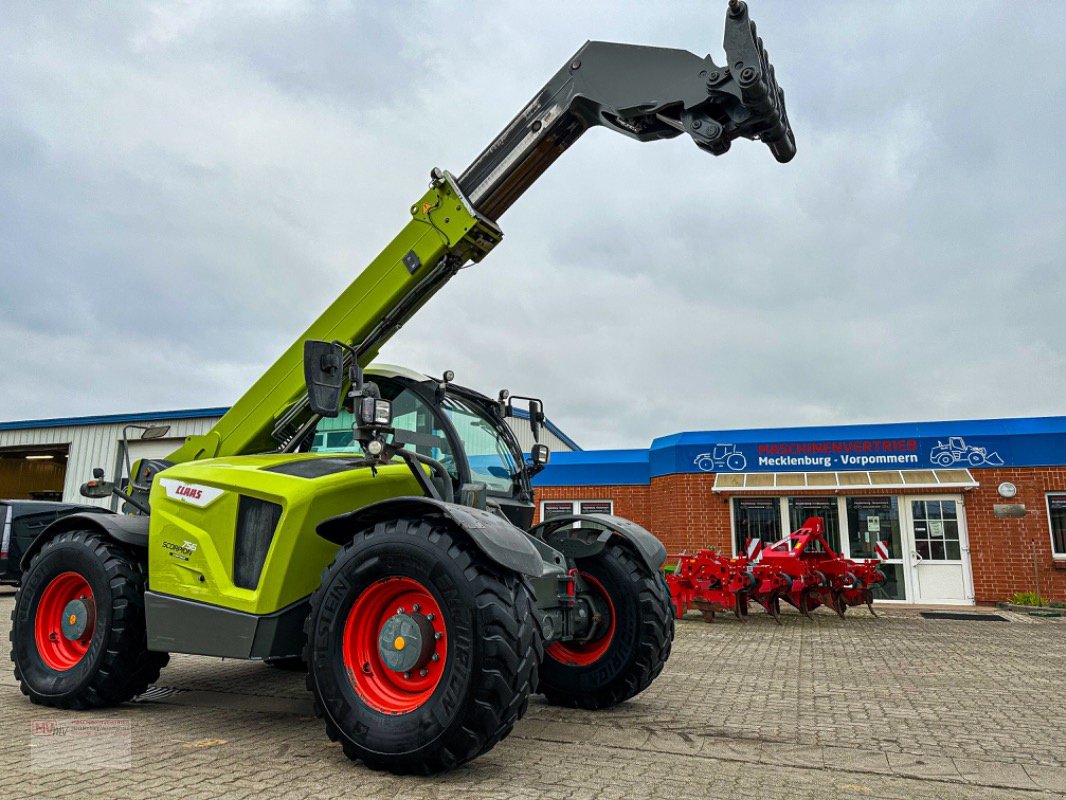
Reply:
x=881, y=549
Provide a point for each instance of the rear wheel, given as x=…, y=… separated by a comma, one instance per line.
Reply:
x=78, y=632
x=422, y=653
x=631, y=653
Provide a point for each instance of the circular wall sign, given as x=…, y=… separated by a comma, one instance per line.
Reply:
x=1007, y=489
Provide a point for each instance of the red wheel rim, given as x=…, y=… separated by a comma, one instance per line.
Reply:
x=581, y=655
x=376, y=684
x=56, y=650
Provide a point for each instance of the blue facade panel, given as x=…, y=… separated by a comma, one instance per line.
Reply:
x=1025, y=442
x=596, y=468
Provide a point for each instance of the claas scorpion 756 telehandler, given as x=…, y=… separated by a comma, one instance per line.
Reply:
x=406, y=574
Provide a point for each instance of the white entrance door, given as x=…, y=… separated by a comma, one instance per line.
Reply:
x=939, y=552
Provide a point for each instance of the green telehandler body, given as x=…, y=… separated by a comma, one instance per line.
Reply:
x=404, y=572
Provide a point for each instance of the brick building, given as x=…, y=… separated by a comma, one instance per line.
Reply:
x=971, y=511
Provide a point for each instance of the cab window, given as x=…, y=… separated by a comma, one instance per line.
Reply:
x=410, y=413
x=490, y=457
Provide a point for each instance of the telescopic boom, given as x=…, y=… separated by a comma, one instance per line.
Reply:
x=647, y=93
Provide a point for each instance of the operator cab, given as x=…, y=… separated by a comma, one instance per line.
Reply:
x=463, y=430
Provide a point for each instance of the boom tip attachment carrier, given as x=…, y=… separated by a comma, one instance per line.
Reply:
x=647, y=93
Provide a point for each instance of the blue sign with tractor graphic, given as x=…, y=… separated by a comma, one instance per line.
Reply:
x=722, y=457
x=955, y=451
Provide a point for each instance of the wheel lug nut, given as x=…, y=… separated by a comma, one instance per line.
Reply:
x=416, y=608
x=400, y=610
x=431, y=616
x=436, y=656
x=407, y=675
x=438, y=636
x=422, y=673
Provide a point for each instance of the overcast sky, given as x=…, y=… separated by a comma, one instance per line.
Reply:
x=184, y=187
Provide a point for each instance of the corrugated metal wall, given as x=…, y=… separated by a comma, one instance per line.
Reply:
x=93, y=446
x=525, y=436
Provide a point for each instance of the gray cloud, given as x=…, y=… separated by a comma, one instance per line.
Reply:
x=183, y=188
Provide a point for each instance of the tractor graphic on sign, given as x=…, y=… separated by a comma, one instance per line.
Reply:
x=956, y=451
x=724, y=456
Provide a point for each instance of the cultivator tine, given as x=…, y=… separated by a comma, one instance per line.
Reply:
x=839, y=604
x=773, y=607
x=740, y=607
x=868, y=597
x=805, y=603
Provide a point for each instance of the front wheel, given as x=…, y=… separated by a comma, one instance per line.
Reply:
x=421, y=652
x=78, y=630
x=632, y=651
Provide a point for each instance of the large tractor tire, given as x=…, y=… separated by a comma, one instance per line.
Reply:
x=78, y=632
x=422, y=653
x=631, y=654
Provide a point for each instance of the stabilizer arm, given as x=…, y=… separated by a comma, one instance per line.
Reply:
x=647, y=93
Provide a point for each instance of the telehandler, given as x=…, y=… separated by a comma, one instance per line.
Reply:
x=406, y=574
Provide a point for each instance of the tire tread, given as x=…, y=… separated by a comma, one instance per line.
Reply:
x=655, y=638
x=128, y=668
x=511, y=641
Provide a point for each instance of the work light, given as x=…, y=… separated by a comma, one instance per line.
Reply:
x=374, y=411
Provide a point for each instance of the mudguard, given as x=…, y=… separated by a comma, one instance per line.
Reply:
x=497, y=538
x=127, y=529
x=580, y=542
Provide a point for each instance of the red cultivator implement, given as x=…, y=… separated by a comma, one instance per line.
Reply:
x=802, y=569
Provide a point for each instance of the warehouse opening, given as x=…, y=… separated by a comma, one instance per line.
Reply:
x=33, y=472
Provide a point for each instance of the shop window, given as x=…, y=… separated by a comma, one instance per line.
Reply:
x=1056, y=509
x=872, y=520
x=936, y=530
x=756, y=518
x=800, y=509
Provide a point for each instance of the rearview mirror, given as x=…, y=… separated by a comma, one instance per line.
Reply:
x=536, y=417
x=324, y=375
x=155, y=432
x=97, y=489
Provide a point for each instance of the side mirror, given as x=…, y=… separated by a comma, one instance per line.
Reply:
x=540, y=454
x=97, y=489
x=536, y=417
x=324, y=375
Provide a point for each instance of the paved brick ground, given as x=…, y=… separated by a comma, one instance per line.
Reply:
x=896, y=707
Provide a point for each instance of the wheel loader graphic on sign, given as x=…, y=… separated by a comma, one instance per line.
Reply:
x=956, y=451
x=724, y=456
